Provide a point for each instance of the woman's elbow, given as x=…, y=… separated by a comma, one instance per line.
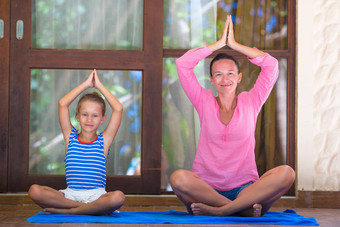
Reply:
x=179, y=62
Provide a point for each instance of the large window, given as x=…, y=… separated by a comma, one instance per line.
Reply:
x=53, y=45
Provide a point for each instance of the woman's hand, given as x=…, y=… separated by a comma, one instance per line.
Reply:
x=227, y=37
x=230, y=39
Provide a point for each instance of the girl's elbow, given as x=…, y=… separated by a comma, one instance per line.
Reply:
x=119, y=108
x=61, y=103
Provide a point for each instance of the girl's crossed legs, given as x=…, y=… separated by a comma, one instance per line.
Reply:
x=254, y=200
x=54, y=201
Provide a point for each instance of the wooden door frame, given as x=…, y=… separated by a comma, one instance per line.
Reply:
x=149, y=60
x=4, y=93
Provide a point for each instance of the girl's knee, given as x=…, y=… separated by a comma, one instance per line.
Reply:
x=117, y=197
x=34, y=192
x=121, y=196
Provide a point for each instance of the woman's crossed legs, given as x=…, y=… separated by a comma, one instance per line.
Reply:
x=254, y=200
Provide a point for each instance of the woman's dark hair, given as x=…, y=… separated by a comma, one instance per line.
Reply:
x=221, y=56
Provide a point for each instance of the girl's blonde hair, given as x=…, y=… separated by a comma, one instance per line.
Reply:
x=94, y=97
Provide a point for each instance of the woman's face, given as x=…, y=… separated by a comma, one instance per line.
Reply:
x=225, y=76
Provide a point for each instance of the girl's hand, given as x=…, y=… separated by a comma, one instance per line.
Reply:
x=90, y=82
x=96, y=82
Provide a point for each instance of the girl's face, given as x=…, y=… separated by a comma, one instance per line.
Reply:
x=90, y=116
x=225, y=76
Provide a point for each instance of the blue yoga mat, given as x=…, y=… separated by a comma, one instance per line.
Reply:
x=288, y=217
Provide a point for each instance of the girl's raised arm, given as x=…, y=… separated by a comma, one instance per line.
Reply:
x=64, y=103
x=116, y=116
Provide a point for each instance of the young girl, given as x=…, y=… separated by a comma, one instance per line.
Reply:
x=86, y=155
x=224, y=180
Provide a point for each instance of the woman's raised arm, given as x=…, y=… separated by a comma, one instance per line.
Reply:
x=228, y=39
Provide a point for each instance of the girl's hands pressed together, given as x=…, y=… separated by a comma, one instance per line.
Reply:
x=90, y=82
x=96, y=82
x=93, y=80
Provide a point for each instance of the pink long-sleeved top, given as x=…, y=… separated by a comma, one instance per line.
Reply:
x=225, y=157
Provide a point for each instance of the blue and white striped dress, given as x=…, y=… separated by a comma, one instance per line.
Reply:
x=85, y=163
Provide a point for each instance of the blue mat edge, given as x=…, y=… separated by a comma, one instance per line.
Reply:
x=192, y=219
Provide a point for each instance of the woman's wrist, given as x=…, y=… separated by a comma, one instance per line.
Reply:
x=234, y=45
x=216, y=46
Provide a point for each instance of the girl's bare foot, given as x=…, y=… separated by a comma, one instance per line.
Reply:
x=71, y=211
x=57, y=211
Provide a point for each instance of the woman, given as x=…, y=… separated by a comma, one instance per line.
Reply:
x=224, y=178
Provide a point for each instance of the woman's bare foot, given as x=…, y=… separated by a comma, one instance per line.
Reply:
x=203, y=209
x=257, y=210
x=254, y=211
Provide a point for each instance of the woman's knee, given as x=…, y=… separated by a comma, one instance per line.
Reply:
x=180, y=179
x=287, y=174
x=176, y=177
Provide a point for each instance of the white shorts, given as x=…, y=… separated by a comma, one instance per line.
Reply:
x=83, y=196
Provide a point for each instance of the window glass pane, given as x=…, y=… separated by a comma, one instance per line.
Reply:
x=47, y=150
x=192, y=23
x=87, y=24
x=181, y=125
